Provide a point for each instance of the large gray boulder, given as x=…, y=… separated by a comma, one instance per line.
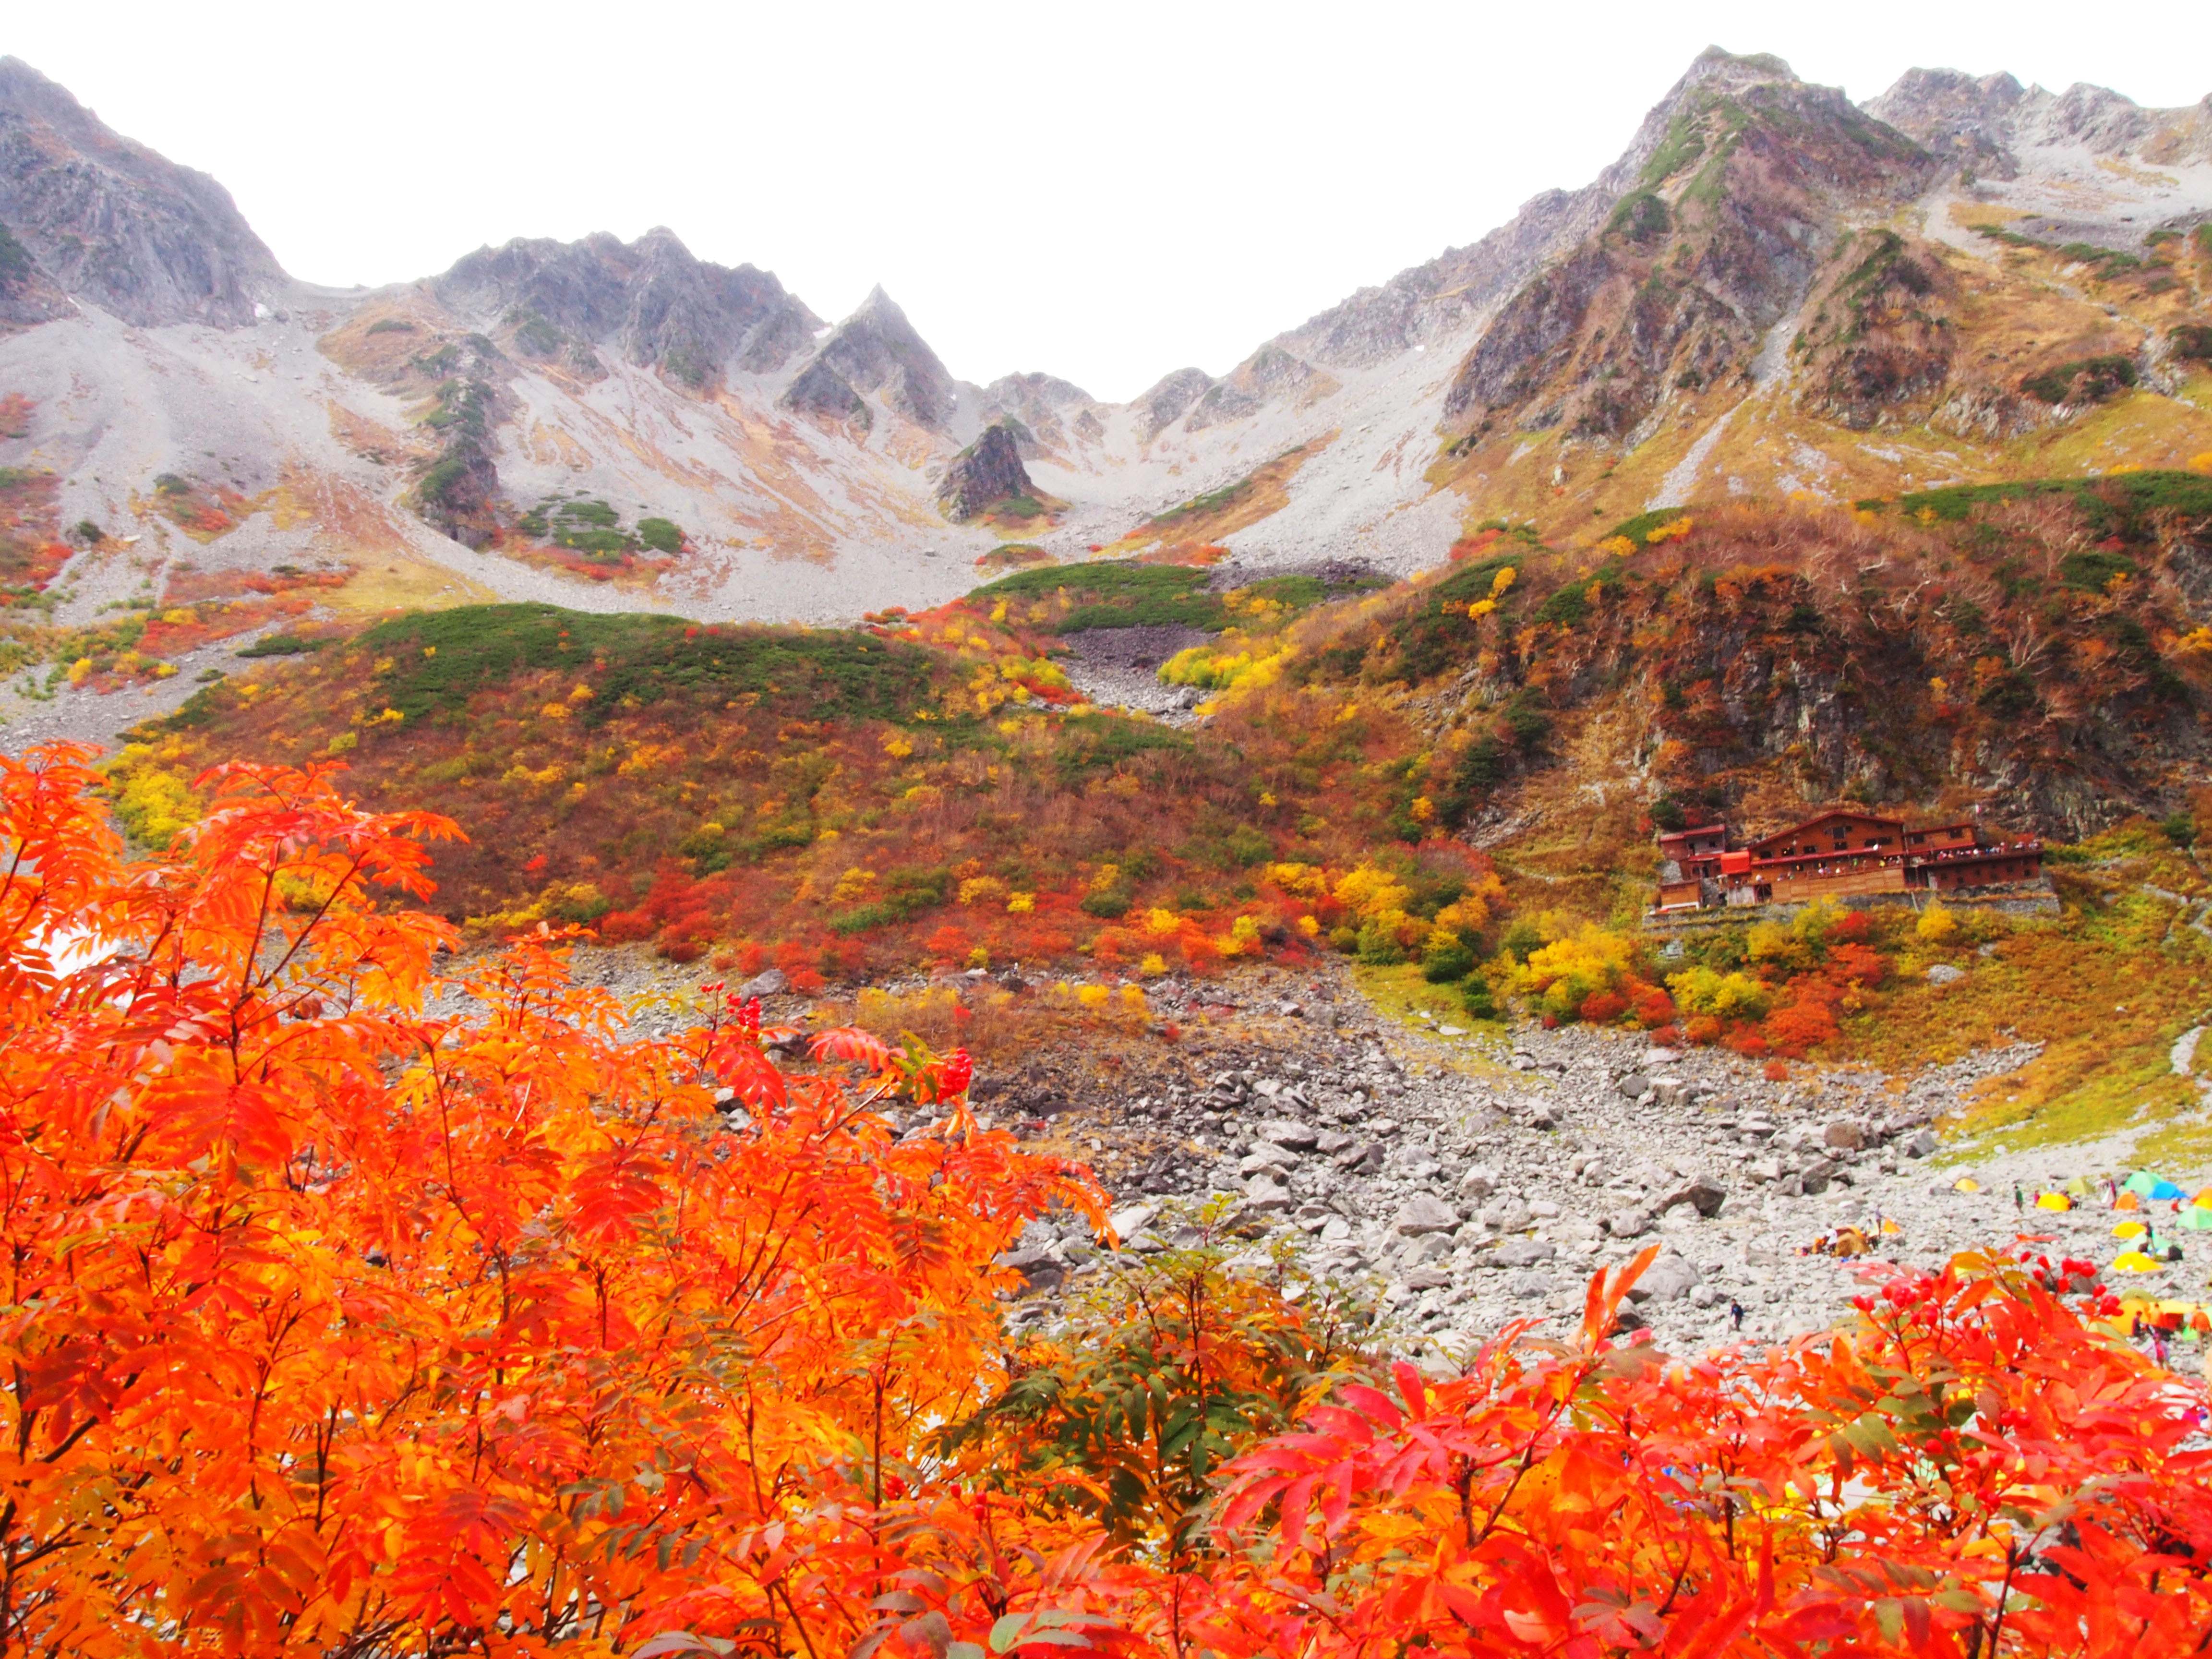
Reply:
x=1702, y=1193
x=1521, y=1252
x=1425, y=1213
x=1667, y=1279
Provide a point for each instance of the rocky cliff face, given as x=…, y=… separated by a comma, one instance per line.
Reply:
x=987, y=471
x=109, y=222
x=650, y=301
x=1882, y=333
x=876, y=353
x=1721, y=238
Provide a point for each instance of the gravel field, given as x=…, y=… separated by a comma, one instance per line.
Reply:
x=1469, y=1179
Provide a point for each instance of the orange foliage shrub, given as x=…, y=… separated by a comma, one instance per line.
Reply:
x=1603, y=1008
x=1961, y=1476
x=342, y=1327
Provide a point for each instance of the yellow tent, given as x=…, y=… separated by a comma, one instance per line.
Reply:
x=1890, y=1226
x=1965, y=1184
x=2203, y=1200
x=2053, y=1201
x=2129, y=1229
x=2134, y=1262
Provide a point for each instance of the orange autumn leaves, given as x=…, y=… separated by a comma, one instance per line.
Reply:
x=348, y=1314
x=337, y=1324
x=1969, y=1472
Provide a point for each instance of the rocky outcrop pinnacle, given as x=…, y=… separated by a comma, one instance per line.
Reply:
x=989, y=471
x=108, y=222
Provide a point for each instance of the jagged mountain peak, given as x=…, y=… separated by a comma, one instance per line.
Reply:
x=1163, y=403
x=876, y=353
x=1984, y=121
x=652, y=300
x=1721, y=210
x=1047, y=390
x=1717, y=63
x=108, y=220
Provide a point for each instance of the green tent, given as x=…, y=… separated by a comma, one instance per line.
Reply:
x=2196, y=1218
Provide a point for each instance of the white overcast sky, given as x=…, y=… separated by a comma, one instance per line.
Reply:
x=1103, y=192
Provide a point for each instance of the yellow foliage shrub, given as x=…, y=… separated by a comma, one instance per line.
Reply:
x=156, y=807
x=1370, y=892
x=1568, y=971
x=1303, y=880
x=1733, y=995
x=1937, y=926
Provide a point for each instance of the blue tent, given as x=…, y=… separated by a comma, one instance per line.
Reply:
x=2144, y=1184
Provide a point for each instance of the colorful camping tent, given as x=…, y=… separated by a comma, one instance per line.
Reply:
x=1965, y=1184
x=2129, y=1229
x=2053, y=1201
x=2134, y=1262
x=2195, y=1220
x=2078, y=1188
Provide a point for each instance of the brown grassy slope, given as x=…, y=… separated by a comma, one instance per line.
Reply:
x=1205, y=520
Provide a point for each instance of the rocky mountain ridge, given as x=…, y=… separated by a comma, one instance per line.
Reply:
x=1765, y=261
